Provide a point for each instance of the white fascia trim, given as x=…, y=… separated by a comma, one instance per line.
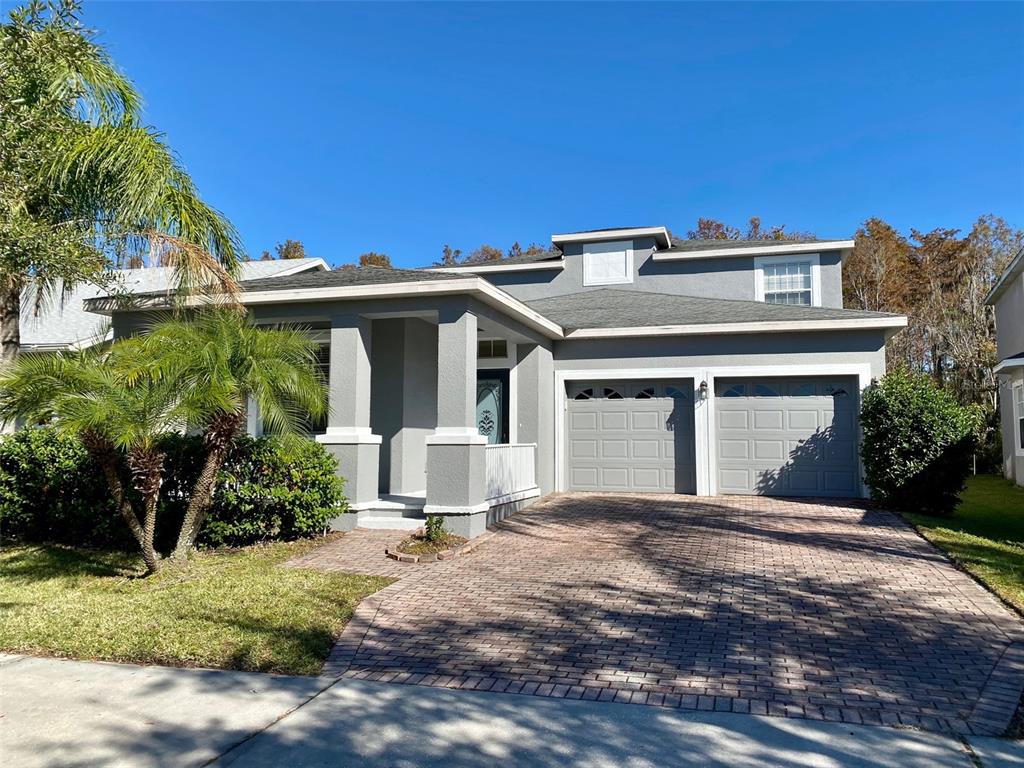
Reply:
x=778, y=326
x=659, y=233
x=1014, y=268
x=485, y=268
x=767, y=250
x=1009, y=365
x=486, y=292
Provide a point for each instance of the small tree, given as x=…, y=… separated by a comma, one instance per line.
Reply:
x=111, y=400
x=917, y=443
x=221, y=361
x=374, y=259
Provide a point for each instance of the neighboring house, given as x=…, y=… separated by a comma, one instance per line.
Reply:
x=62, y=322
x=622, y=360
x=1007, y=297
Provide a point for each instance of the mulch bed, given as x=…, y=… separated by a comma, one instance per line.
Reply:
x=417, y=549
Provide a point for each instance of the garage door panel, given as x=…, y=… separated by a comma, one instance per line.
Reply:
x=647, y=478
x=769, y=449
x=646, y=420
x=583, y=422
x=583, y=477
x=732, y=420
x=782, y=436
x=615, y=421
x=614, y=449
x=644, y=436
x=840, y=482
x=768, y=420
x=646, y=449
x=802, y=420
x=583, y=449
x=734, y=449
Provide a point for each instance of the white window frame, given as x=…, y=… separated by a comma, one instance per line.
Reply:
x=813, y=259
x=1017, y=405
x=608, y=246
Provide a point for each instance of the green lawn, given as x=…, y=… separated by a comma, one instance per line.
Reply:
x=232, y=609
x=985, y=536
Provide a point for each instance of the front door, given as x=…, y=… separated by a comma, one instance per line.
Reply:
x=491, y=405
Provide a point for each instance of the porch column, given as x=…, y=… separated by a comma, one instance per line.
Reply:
x=348, y=436
x=455, y=452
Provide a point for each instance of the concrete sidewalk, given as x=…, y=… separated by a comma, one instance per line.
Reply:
x=65, y=713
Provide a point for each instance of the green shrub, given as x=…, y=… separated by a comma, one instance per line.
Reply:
x=50, y=490
x=918, y=443
x=272, y=488
x=435, y=528
x=269, y=489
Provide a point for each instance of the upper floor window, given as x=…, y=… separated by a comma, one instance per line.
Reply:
x=788, y=280
x=608, y=263
x=491, y=349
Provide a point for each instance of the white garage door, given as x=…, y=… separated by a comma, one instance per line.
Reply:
x=787, y=436
x=630, y=436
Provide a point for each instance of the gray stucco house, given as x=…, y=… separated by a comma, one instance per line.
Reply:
x=621, y=360
x=1007, y=298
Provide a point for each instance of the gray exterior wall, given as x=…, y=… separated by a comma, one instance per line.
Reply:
x=1009, y=310
x=1010, y=320
x=403, y=400
x=722, y=278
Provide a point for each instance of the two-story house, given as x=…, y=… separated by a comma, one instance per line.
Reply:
x=1007, y=298
x=621, y=361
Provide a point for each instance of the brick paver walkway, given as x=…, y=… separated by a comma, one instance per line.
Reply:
x=803, y=609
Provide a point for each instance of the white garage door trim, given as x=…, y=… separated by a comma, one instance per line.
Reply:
x=704, y=453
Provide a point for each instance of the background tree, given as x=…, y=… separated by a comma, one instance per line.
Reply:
x=290, y=249
x=84, y=186
x=223, y=362
x=711, y=229
x=373, y=259
x=450, y=257
x=484, y=253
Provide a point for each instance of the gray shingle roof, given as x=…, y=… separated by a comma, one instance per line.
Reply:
x=680, y=245
x=616, y=308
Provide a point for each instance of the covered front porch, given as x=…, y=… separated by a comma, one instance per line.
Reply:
x=433, y=410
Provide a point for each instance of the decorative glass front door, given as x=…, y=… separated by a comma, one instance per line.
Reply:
x=490, y=408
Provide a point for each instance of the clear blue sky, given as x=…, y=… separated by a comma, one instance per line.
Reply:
x=399, y=128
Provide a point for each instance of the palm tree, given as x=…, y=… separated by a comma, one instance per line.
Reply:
x=224, y=362
x=84, y=185
x=111, y=401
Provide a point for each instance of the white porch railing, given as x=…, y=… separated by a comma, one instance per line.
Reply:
x=511, y=472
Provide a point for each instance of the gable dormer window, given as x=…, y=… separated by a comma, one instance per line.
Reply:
x=608, y=263
x=788, y=280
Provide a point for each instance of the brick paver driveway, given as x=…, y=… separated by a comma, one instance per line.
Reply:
x=803, y=609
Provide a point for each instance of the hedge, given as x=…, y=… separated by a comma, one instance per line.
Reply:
x=268, y=489
x=918, y=443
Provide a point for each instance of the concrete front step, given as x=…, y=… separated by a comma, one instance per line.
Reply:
x=391, y=523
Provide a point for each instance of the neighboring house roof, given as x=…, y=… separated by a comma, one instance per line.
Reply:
x=1013, y=270
x=65, y=323
x=599, y=312
x=1013, y=361
x=342, y=277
